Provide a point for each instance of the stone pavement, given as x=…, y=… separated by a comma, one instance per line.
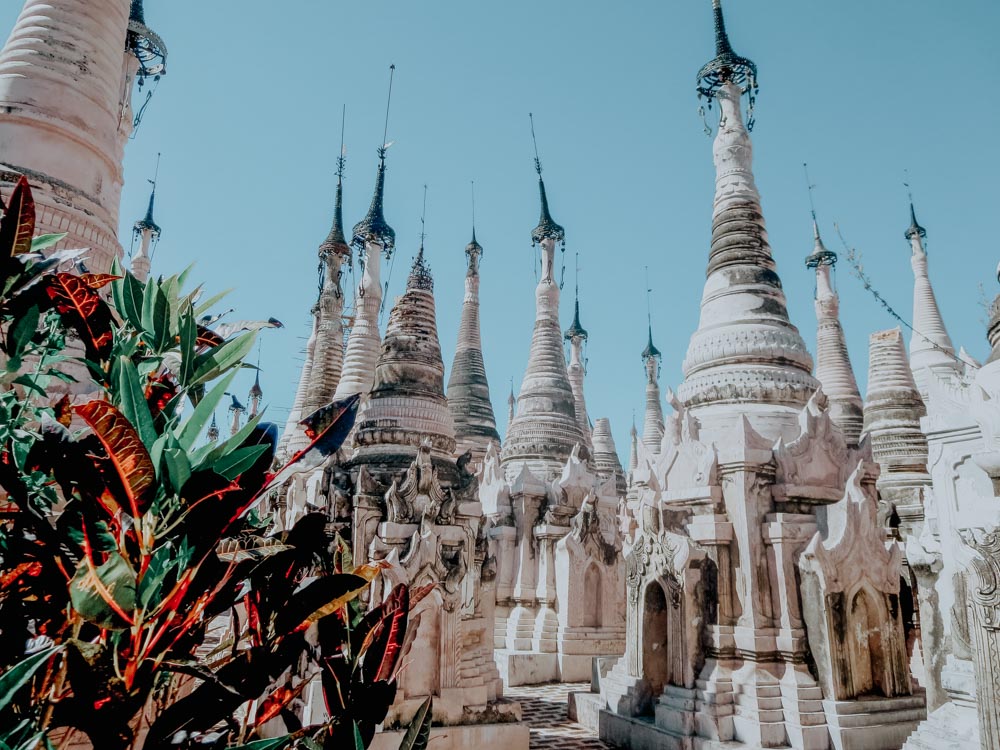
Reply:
x=544, y=709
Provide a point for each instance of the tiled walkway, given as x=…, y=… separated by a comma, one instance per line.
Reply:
x=544, y=708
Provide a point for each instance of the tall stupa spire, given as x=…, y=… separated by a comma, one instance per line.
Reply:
x=407, y=405
x=147, y=232
x=930, y=345
x=68, y=114
x=577, y=336
x=468, y=388
x=833, y=363
x=745, y=351
x=545, y=429
x=325, y=350
x=372, y=237
x=652, y=428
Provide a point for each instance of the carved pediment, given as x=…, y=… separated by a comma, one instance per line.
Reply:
x=855, y=550
x=690, y=463
x=420, y=495
x=818, y=456
x=494, y=492
x=661, y=555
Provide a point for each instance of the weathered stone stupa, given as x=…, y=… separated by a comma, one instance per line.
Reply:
x=68, y=115
x=833, y=364
x=729, y=576
x=606, y=460
x=468, y=387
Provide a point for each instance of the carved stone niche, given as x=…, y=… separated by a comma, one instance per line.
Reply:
x=669, y=580
x=850, y=602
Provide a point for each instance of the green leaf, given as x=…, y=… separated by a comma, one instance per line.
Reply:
x=203, y=307
x=97, y=594
x=45, y=241
x=156, y=315
x=241, y=459
x=132, y=401
x=17, y=676
x=208, y=454
x=151, y=583
x=22, y=331
x=188, y=343
x=132, y=301
x=28, y=381
x=219, y=359
x=359, y=744
x=419, y=731
x=202, y=414
x=178, y=468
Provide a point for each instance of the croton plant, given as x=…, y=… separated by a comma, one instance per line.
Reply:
x=124, y=533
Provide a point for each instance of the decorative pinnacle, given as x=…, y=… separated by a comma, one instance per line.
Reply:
x=420, y=274
x=255, y=390
x=147, y=222
x=726, y=66
x=374, y=228
x=576, y=331
x=473, y=251
x=820, y=255
x=335, y=242
x=650, y=350
x=547, y=228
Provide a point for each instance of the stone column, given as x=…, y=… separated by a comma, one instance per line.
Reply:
x=985, y=629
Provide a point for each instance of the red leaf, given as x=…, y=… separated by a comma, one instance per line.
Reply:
x=18, y=223
x=31, y=569
x=125, y=453
x=383, y=654
x=86, y=311
x=98, y=280
x=159, y=392
x=276, y=701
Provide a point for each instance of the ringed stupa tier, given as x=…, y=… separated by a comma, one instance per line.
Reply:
x=606, y=461
x=372, y=237
x=745, y=352
x=833, y=363
x=652, y=427
x=931, y=349
x=468, y=387
x=68, y=114
x=545, y=429
x=407, y=407
x=576, y=335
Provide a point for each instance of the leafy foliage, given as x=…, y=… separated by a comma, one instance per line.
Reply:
x=124, y=537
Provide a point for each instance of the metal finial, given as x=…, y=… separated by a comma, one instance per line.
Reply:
x=820, y=255
x=156, y=170
x=147, y=222
x=388, y=101
x=650, y=350
x=423, y=216
x=914, y=230
x=342, y=158
x=726, y=66
x=473, y=184
x=538, y=163
x=576, y=330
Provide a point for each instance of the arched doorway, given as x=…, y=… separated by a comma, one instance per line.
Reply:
x=592, y=601
x=865, y=646
x=656, y=638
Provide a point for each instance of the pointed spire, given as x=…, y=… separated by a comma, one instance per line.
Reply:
x=147, y=223
x=726, y=66
x=576, y=335
x=547, y=228
x=606, y=461
x=651, y=352
x=335, y=241
x=931, y=348
x=633, y=454
x=745, y=349
x=473, y=251
x=833, y=363
x=213, y=430
x=374, y=228
x=511, y=404
x=256, y=394
x=914, y=230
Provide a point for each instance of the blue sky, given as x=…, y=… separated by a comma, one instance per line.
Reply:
x=248, y=120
